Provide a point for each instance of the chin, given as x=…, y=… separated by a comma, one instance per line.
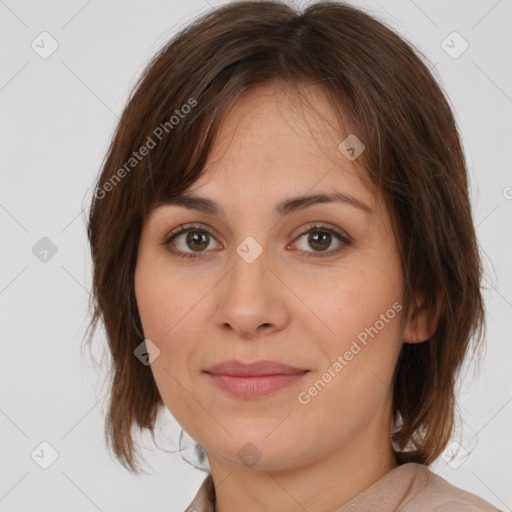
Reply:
x=261, y=453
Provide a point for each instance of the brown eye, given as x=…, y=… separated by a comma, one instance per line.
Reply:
x=320, y=238
x=196, y=241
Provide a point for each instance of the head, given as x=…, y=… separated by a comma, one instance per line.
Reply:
x=254, y=104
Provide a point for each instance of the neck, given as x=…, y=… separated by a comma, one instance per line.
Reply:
x=324, y=484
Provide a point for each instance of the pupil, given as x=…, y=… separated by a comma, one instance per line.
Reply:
x=195, y=237
x=322, y=235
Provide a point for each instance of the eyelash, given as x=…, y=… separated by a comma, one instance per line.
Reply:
x=197, y=227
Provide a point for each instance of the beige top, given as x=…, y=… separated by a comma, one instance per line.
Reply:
x=410, y=487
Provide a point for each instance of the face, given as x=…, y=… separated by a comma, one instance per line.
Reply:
x=318, y=287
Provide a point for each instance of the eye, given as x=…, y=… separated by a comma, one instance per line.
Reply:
x=320, y=237
x=198, y=239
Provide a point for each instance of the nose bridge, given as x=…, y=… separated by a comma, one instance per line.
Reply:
x=250, y=262
x=251, y=295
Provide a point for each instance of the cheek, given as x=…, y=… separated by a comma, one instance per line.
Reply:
x=356, y=298
x=163, y=300
x=354, y=380
x=363, y=314
x=164, y=314
x=172, y=317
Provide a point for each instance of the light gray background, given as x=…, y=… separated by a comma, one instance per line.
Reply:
x=58, y=115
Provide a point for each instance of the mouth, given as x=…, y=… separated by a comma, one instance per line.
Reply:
x=255, y=369
x=254, y=380
x=253, y=387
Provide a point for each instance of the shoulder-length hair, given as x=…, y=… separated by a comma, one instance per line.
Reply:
x=379, y=84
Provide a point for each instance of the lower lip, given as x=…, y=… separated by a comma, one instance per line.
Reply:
x=252, y=387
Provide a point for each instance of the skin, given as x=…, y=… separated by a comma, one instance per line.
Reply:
x=288, y=305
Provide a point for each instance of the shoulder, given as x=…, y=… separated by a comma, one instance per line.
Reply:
x=204, y=500
x=437, y=494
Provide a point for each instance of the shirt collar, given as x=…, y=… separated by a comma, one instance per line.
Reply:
x=410, y=487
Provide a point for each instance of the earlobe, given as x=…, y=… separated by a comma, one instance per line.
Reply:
x=419, y=327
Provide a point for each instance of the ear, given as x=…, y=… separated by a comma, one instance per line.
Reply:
x=418, y=326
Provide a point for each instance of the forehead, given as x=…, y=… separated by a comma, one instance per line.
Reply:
x=276, y=140
x=279, y=122
x=276, y=152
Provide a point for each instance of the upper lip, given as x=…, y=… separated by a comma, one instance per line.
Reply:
x=254, y=369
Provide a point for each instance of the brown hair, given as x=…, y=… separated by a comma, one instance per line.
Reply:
x=413, y=158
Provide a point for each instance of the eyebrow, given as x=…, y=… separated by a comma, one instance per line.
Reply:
x=283, y=208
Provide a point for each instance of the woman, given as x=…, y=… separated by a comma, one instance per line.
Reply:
x=285, y=258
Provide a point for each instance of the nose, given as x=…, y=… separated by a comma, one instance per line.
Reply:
x=252, y=298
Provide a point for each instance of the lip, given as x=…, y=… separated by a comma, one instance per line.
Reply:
x=254, y=379
x=255, y=369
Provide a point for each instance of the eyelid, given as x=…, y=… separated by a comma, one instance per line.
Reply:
x=323, y=225
x=199, y=226
x=305, y=229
